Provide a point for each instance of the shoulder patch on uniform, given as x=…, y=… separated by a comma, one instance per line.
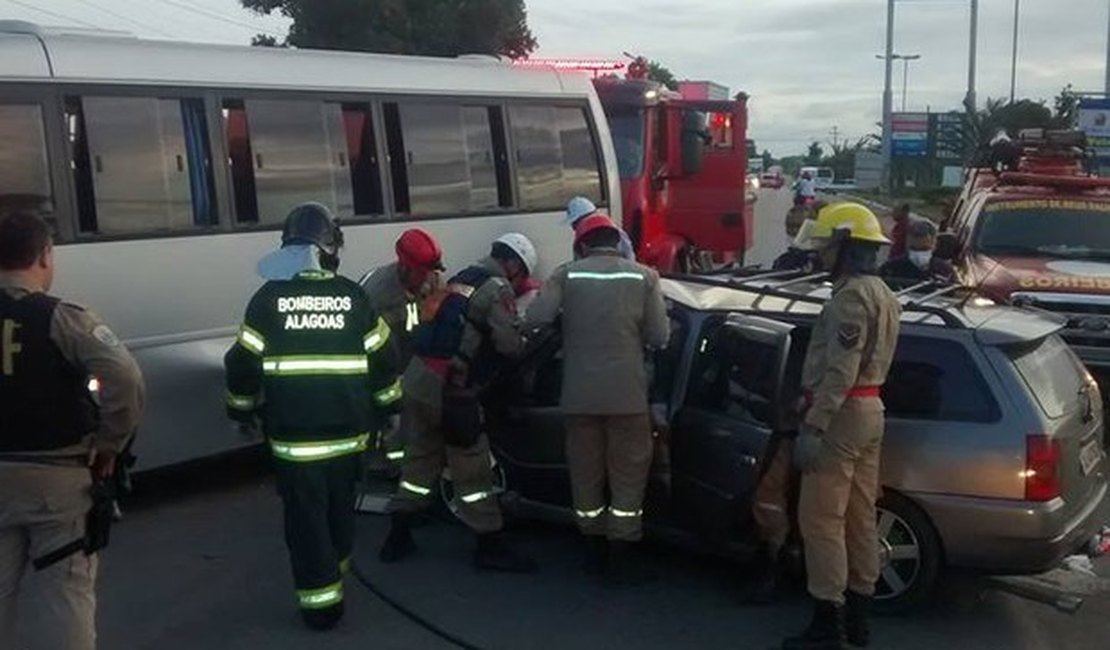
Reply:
x=848, y=335
x=105, y=335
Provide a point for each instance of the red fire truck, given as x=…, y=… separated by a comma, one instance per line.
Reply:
x=683, y=167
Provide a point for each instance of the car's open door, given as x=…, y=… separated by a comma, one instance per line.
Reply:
x=734, y=400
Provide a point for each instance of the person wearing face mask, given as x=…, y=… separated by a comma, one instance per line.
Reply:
x=918, y=264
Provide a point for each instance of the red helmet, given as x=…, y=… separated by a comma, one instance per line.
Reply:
x=416, y=249
x=589, y=224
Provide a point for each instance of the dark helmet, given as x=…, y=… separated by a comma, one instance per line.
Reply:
x=313, y=223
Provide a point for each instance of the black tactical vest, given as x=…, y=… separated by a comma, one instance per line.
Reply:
x=44, y=400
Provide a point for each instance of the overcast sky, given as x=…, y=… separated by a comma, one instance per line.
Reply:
x=809, y=65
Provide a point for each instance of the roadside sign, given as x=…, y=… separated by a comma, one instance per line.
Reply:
x=948, y=136
x=869, y=170
x=910, y=135
x=1094, y=120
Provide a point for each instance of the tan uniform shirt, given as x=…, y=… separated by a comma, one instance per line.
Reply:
x=852, y=345
x=612, y=309
x=393, y=302
x=87, y=343
x=493, y=305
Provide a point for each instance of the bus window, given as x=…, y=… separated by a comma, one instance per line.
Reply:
x=450, y=155
x=581, y=175
x=300, y=155
x=539, y=157
x=241, y=160
x=141, y=164
x=436, y=156
x=398, y=169
x=363, y=160
x=24, y=169
x=480, y=159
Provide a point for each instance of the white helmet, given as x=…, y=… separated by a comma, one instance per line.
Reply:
x=577, y=208
x=523, y=248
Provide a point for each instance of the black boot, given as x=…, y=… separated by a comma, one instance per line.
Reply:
x=323, y=619
x=856, y=628
x=493, y=554
x=399, y=543
x=825, y=631
x=766, y=586
x=595, y=559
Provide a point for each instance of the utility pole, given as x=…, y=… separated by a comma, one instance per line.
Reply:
x=888, y=98
x=835, y=132
x=906, y=58
x=969, y=101
x=1013, y=63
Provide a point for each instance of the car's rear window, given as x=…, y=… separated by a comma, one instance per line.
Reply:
x=1053, y=374
x=937, y=380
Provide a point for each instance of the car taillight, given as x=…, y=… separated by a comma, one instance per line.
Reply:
x=1042, y=468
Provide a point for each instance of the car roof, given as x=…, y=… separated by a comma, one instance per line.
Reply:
x=797, y=294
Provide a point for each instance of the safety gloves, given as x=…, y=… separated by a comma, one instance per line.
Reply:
x=807, y=448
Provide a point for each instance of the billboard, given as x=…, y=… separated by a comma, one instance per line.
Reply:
x=910, y=135
x=948, y=136
x=1094, y=120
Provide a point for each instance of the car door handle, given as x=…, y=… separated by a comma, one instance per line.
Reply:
x=747, y=461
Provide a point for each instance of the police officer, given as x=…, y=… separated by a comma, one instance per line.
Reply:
x=612, y=309
x=396, y=291
x=314, y=362
x=52, y=433
x=466, y=334
x=840, y=436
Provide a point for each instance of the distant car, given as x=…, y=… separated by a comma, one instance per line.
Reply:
x=772, y=179
x=993, y=458
x=824, y=176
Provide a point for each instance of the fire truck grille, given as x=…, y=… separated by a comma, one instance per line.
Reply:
x=1088, y=316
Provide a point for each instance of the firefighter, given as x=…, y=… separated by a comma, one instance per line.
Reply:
x=467, y=332
x=580, y=207
x=395, y=291
x=841, y=430
x=56, y=439
x=314, y=362
x=525, y=287
x=612, y=309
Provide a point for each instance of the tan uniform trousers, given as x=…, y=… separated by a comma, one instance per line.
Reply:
x=613, y=450
x=836, y=509
x=42, y=508
x=426, y=454
x=771, y=502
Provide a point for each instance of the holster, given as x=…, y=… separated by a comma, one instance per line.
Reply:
x=98, y=528
x=461, y=416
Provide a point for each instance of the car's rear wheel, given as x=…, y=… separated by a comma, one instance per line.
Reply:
x=910, y=556
x=452, y=501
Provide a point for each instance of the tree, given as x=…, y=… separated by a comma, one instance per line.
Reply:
x=815, y=154
x=424, y=27
x=998, y=115
x=659, y=73
x=1066, y=108
x=768, y=159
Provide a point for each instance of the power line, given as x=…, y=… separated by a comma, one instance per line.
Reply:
x=120, y=16
x=220, y=17
x=47, y=12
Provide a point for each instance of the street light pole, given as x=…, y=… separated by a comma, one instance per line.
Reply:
x=906, y=74
x=969, y=101
x=1107, y=87
x=1013, y=63
x=888, y=98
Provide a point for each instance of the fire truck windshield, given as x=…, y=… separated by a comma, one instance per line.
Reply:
x=1046, y=228
x=627, y=127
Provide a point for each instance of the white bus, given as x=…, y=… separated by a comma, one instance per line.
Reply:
x=167, y=169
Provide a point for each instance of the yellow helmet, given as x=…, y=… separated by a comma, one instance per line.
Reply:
x=860, y=223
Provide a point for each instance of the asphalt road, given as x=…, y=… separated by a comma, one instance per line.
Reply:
x=770, y=226
x=199, y=563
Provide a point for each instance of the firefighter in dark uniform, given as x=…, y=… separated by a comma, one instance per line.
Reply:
x=52, y=433
x=395, y=292
x=315, y=364
x=467, y=331
x=840, y=435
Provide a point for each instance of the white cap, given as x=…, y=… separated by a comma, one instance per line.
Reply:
x=523, y=248
x=579, y=207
